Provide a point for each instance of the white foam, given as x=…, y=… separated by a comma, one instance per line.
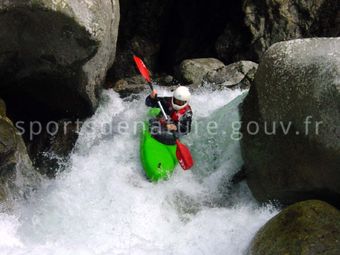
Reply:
x=102, y=204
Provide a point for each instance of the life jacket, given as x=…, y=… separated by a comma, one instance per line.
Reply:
x=177, y=115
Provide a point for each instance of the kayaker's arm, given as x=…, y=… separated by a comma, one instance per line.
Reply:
x=152, y=102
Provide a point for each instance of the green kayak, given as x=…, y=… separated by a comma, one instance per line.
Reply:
x=158, y=160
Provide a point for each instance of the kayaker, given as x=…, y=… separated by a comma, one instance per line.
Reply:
x=179, y=111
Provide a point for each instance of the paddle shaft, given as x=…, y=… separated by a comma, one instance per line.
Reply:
x=159, y=103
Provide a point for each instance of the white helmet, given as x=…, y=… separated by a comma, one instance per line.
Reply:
x=180, y=98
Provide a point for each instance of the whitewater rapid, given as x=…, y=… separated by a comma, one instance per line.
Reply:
x=102, y=204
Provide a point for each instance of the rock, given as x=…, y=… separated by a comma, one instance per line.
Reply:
x=124, y=65
x=124, y=88
x=239, y=74
x=309, y=227
x=55, y=71
x=165, y=80
x=168, y=32
x=294, y=103
x=193, y=70
x=271, y=21
x=168, y=79
x=61, y=66
x=8, y=142
x=2, y=108
x=8, y=146
x=64, y=140
x=52, y=148
x=137, y=79
x=120, y=85
x=136, y=84
x=139, y=34
x=13, y=160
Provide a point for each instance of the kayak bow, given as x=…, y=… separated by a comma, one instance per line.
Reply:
x=159, y=160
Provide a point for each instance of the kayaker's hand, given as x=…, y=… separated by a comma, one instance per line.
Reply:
x=163, y=122
x=153, y=94
x=171, y=127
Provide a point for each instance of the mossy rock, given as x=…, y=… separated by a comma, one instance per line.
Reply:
x=13, y=156
x=2, y=108
x=309, y=227
x=8, y=141
x=3, y=193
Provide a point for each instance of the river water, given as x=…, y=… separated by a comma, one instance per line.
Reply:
x=102, y=204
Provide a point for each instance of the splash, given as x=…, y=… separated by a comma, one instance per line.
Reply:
x=102, y=203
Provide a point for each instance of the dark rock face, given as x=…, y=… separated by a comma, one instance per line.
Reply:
x=139, y=33
x=309, y=227
x=271, y=21
x=193, y=28
x=39, y=67
x=54, y=55
x=166, y=32
x=235, y=43
x=294, y=103
x=51, y=150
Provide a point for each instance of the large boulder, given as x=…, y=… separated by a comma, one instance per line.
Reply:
x=193, y=70
x=291, y=123
x=271, y=21
x=309, y=227
x=55, y=54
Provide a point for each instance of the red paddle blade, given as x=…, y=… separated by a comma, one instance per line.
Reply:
x=142, y=68
x=184, y=156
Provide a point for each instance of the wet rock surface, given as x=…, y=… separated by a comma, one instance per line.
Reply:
x=58, y=67
x=193, y=70
x=309, y=227
x=168, y=32
x=52, y=148
x=236, y=75
x=271, y=21
x=13, y=152
x=290, y=123
x=54, y=57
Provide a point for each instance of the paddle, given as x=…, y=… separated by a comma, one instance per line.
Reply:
x=182, y=152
